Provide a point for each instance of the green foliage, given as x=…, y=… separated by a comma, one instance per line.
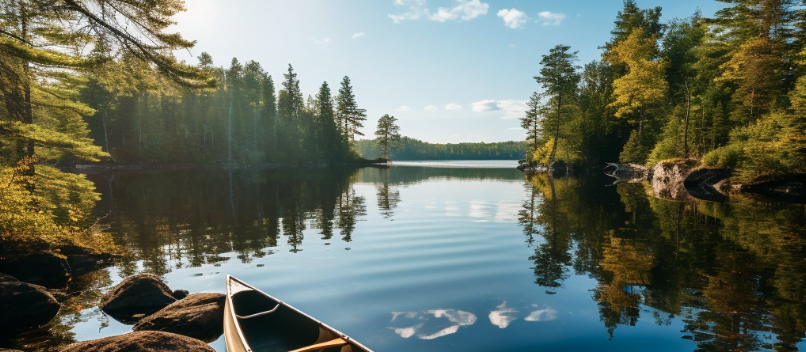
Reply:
x=635, y=150
x=57, y=214
x=543, y=154
x=774, y=145
x=387, y=134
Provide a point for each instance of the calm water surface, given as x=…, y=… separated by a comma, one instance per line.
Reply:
x=458, y=256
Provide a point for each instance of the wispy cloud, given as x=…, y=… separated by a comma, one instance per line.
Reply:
x=431, y=108
x=453, y=106
x=358, y=35
x=513, y=18
x=466, y=10
x=551, y=19
x=512, y=108
x=403, y=108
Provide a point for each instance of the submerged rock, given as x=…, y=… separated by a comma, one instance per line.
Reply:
x=24, y=305
x=668, y=179
x=137, y=294
x=200, y=315
x=626, y=173
x=141, y=341
x=42, y=268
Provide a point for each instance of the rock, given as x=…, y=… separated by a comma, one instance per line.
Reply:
x=180, y=294
x=626, y=172
x=668, y=179
x=8, y=350
x=137, y=294
x=43, y=268
x=24, y=305
x=707, y=184
x=790, y=188
x=141, y=341
x=200, y=315
x=84, y=260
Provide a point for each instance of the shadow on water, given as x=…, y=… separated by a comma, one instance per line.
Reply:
x=734, y=273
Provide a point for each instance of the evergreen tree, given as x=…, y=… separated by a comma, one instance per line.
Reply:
x=387, y=134
x=349, y=116
x=532, y=122
x=559, y=79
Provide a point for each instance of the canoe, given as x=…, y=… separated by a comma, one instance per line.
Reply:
x=257, y=322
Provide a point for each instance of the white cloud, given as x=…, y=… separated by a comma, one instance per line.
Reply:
x=321, y=41
x=358, y=35
x=512, y=108
x=431, y=108
x=466, y=10
x=513, y=18
x=485, y=105
x=453, y=106
x=403, y=108
x=551, y=18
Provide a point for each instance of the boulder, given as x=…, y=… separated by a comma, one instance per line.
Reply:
x=200, y=315
x=668, y=179
x=141, y=341
x=137, y=294
x=24, y=305
x=42, y=268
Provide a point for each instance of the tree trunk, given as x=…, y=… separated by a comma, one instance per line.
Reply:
x=557, y=132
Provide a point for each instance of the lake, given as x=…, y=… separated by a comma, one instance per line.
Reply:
x=464, y=256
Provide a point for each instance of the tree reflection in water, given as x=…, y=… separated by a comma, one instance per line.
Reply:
x=734, y=272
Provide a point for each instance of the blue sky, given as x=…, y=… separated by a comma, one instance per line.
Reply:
x=450, y=70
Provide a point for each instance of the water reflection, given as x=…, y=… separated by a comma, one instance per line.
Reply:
x=735, y=272
x=431, y=324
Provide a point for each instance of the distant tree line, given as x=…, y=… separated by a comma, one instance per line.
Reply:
x=728, y=90
x=244, y=119
x=414, y=149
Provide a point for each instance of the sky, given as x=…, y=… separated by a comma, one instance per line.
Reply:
x=450, y=71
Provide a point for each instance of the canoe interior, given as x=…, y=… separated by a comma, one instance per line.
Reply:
x=281, y=331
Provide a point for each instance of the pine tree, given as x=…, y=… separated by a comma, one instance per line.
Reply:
x=559, y=79
x=532, y=122
x=349, y=116
x=387, y=134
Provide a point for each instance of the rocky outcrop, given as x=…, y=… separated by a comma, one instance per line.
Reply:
x=24, y=305
x=668, y=179
x=142, y=341
x=43, y=268
x=137, y=295
x=200, y=315
x=708, y=184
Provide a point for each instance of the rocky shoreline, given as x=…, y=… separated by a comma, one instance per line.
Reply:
x=163, y=319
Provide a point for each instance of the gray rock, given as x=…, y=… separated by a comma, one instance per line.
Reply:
x=24, y=305
x=668, y=179
x=200, y=315
x=43, y=268
x=137, y=294
x=141, y=341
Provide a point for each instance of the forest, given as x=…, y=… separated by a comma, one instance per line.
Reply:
x=729, y=91
x=413, y=149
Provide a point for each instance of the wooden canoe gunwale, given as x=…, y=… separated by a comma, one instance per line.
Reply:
x=230, y=312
